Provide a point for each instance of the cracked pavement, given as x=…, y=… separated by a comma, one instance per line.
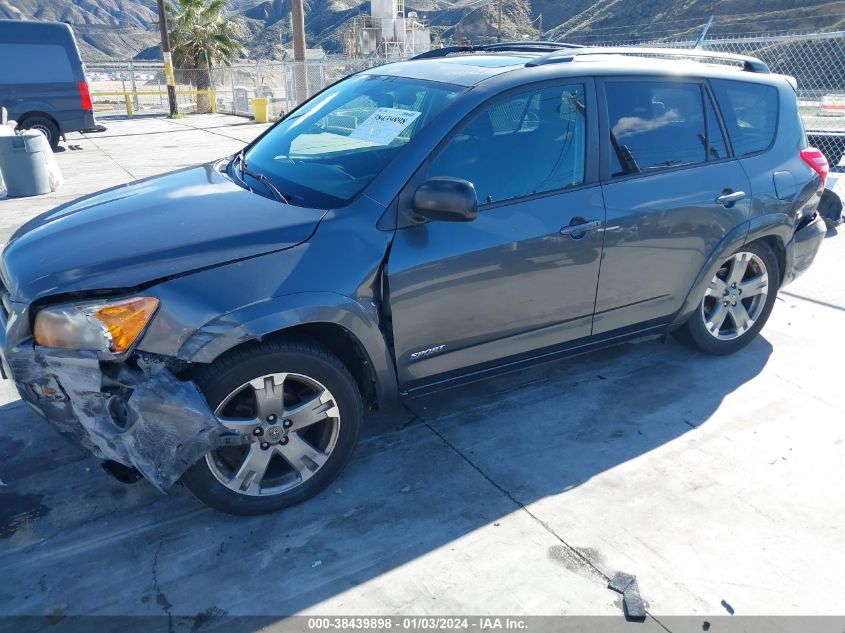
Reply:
x=716, y=481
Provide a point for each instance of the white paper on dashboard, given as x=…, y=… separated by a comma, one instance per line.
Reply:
x=384, y=125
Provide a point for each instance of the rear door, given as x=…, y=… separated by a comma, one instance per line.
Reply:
x=510, y=282
x=672, y=191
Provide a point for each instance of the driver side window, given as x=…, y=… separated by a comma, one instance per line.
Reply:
x=528, y=144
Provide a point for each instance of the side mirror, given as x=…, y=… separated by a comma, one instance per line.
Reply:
x=446, y=199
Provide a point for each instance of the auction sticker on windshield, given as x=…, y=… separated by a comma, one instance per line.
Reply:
x=384, y=125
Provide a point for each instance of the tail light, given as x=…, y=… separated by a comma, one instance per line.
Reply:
x=817, y=162
x=85, y=96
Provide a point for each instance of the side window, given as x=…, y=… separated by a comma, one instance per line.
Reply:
x=750, y=112
x=35, y=64
x=654, y=125
x=528, y=144
x=718, y=148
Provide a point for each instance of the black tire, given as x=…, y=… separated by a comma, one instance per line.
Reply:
x=694, y=332
x=47, y=126
x=305, y=357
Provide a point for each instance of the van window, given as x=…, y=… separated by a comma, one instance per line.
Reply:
x=34, y=64
x=530, y=143
x=654, y=125
x=750, y=112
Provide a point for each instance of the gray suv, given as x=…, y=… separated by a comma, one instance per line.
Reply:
x=412, y=226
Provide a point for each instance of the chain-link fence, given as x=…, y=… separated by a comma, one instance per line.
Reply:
x=133, y=87
x=137, y=88
x=284, y=84
x=816, y=60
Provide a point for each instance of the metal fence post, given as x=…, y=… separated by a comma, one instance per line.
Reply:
x=134, y=87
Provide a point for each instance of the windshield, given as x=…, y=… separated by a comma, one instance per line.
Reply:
x=325, y=153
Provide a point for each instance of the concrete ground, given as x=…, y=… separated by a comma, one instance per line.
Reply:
x=718, y=482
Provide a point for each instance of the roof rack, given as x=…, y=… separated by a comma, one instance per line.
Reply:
x=521, y=47
x=749, y=64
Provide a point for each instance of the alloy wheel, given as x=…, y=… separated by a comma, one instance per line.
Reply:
x=736, y=296
x=292, y=422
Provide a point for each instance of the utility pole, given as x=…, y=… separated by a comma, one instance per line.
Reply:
x=168, y=59
x=297, y=18
x=499, y=38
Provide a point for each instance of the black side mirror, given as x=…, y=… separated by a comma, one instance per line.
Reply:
x=446, y=199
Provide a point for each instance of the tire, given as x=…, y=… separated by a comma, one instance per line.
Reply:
x=718, y=326
x=44, y=125
x=296, y=457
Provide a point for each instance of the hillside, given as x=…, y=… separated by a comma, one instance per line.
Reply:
x=120, y=29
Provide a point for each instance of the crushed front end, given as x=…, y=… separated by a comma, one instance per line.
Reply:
x=133, y=410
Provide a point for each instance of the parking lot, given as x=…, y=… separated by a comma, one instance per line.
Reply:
x=717, y=481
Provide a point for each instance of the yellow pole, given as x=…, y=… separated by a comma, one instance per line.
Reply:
x=128, y=98
x=212, y=95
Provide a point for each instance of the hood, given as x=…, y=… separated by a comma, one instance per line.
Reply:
x=152, y=229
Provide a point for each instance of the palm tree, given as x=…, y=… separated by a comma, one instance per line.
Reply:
x=201, y=37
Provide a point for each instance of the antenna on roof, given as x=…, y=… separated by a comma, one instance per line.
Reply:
x=703, y=35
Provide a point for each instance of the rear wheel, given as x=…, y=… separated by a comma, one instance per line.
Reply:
x=297, y=412
x=736, y=303
x=44, y=125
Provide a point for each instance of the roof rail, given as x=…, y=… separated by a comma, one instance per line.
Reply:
x=749, y=64
x=524, y=46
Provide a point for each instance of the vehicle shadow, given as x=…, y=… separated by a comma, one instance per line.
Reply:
x=426, y=475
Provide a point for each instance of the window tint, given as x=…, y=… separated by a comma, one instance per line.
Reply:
x=654, y=125
x=718, y=147
x=34, y=64
x=750, y=112
x=528, y=144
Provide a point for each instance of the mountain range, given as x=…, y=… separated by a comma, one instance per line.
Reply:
x=123, y=29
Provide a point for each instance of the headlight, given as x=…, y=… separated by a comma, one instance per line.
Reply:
x=103, y=327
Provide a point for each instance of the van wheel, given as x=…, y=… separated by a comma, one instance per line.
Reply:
x=736, y=303
x=298, y=412
x=44, y=125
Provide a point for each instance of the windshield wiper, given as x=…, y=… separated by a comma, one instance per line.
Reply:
x=264, y=180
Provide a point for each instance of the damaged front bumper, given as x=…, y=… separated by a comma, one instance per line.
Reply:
x=137, y=413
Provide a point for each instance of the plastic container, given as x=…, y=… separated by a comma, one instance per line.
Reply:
x=260, y=109
x=23, y=161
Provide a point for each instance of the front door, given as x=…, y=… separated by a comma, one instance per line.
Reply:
x=523, y=275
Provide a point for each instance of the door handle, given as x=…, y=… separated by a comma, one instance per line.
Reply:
x=730, y=197
x=577, y=231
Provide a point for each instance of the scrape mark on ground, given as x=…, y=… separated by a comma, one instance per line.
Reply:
x=575, y=563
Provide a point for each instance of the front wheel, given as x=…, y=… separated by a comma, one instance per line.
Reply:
x=736, y=303
x=301, y=410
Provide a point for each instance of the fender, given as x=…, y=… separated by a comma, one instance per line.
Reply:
x=777, y=225
x=37, y=108
x=285, y=311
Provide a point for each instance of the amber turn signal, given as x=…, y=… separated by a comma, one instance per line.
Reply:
x=125, y=320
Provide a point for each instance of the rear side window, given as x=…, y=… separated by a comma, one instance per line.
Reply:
x=655, y=125
x=528, y=144
x=34, y=64
x=750, y=112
